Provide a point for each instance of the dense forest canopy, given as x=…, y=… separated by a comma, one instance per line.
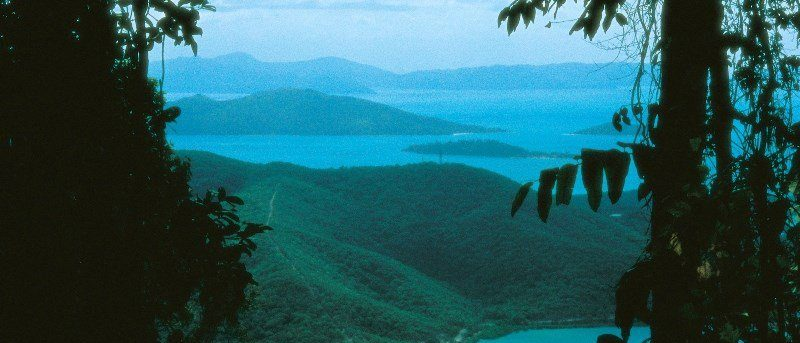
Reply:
x=101, y=239
x=718, y=158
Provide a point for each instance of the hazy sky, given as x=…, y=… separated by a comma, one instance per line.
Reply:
x=398, y=35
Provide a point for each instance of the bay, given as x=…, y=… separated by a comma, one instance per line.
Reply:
x=538, y=120
x=580, y=335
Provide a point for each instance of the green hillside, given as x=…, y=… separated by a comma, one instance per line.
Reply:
x=418, y=253
x=304, y=112
x=480, y=147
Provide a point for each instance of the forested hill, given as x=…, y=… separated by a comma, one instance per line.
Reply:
x=418, y=253
x=241, y=73
x=304, y=112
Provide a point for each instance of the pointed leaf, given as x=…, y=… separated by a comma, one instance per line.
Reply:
x=520, y=198
x=566, y=183
x=235, y=200
x=608, y=338
x=592, y=175
x=644, y=191
x=547, y=180
x=503, y=16
x=643, y=159
x=513, y=22
x=221, y=194
x=616, y=121
x=617, y=164
x=633, y=292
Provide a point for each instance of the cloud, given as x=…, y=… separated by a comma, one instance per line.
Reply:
x=362, y=5
x=367, y=5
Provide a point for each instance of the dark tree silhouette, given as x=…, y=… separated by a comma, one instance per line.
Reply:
x=722, y=262
x=101, y=239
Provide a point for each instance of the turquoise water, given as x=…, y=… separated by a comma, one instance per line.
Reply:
x=584, y=335
x=537, y=120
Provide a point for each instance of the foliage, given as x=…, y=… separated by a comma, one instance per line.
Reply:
x=101, y=239
x=722, y=262
x=403, y=254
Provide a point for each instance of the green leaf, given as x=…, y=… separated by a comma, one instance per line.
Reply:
x=503, y=16
x=616, y=121
x=644, y=191
x=513, y=22
x=607, y=23
x=253, y=229
x=609, y=338
x=235, y=200
x=565, y=183
x=633, y=292
x=592, y=175
x=617, y=164
x=547, y=180
x=520, y=198
x=643, y=159
x=528, y=14
x=222, y=194
x=622, y=20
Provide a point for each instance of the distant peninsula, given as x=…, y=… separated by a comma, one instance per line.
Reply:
x=305, y=113
x=482, y=148
x=607, y=129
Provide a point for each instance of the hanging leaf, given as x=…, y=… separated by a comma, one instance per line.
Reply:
x=592, y=175
x=644, y=191
x=633, y=292
x=547, y=180
x=528, y=14
x=621, y=19
x=617, y=164
x=503, y=16
x=616, y=121
x=513, y=22
x=565, y=183
x=643, y=159
x=608, y=338
x=520, y=198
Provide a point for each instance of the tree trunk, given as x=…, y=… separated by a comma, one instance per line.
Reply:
x=140, y=15
x=689, y=33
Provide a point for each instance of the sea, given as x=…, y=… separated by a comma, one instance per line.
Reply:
x=538, y=120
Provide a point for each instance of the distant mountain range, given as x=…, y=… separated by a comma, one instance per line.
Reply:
x=241, y=73
x=305, y=112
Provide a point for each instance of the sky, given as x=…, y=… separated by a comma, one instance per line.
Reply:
x=396, y=35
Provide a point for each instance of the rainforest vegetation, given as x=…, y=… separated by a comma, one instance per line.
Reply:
x=108, y=235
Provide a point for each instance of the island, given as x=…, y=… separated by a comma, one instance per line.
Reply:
x=608, y=129
x=482, y=148
x=304, y=112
